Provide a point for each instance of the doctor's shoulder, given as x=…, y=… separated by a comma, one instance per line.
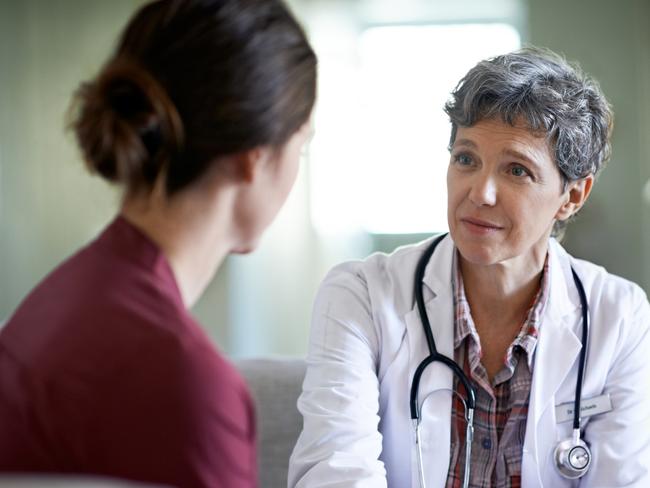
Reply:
x=367, y=298
x=380, y=277
x=615, y=301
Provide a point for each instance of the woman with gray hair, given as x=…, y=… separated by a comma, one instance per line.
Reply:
x=488, y=357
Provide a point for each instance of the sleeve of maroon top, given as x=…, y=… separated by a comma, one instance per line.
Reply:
x=177, y=414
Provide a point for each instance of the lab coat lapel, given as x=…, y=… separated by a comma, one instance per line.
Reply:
x=436, y=407
x=557, y=350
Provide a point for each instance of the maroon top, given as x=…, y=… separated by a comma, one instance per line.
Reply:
x=103, y=371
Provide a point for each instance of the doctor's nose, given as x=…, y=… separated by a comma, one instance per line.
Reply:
x=483, y=190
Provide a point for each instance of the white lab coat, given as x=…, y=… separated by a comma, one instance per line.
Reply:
x=367, y=340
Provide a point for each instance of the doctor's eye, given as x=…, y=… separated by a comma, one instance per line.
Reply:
x=463, y=159
x=519, y=171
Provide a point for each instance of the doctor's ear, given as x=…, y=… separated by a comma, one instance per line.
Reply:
x=575, y=195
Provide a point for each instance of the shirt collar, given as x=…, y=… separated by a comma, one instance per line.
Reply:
x=527, y=337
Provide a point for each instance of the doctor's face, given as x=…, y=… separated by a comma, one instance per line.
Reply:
x=504, y=193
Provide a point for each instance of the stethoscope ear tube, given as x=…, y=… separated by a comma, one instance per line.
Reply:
x=419, y=295
x=583, y=350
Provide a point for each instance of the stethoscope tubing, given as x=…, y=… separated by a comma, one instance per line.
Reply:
x=434, y=355
x=583, y=349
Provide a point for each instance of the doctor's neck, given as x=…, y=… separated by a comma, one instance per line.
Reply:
x=193, y=229
x=505, y=289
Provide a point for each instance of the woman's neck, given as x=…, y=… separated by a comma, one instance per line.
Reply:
x=193, y=230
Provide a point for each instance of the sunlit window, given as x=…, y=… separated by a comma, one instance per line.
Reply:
x=379, y=158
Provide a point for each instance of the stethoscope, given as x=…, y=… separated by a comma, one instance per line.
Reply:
x=572, y=455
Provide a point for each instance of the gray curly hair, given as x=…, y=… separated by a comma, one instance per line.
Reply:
x=552, y=96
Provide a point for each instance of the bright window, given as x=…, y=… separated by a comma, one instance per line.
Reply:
x=379, y=158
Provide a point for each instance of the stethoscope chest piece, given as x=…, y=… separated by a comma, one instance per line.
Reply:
x=572, y=458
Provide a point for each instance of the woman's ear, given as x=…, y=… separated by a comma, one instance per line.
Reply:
x=240, y=168
x=575, y=197
x=245, y=164
x=248, y=163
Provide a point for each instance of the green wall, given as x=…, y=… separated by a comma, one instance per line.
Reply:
x=612, y=42
x=48, y=204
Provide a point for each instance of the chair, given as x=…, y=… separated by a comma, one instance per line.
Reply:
x=275, y=384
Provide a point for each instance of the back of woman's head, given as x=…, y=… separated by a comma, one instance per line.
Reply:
x=193, y=80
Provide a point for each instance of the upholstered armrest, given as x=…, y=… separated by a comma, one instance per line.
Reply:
x=275, y=384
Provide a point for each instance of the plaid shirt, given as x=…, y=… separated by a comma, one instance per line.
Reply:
x=501, y=406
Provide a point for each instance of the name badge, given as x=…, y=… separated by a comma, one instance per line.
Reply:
x=588, y=407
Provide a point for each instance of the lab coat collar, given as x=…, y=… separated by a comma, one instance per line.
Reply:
x=438, y=299
x=559, y=317
x=437, y=274
x=563, y=296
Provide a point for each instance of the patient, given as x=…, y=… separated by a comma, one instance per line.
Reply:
x=200, y=116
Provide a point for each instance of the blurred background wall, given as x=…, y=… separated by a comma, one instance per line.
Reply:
x=386, y=67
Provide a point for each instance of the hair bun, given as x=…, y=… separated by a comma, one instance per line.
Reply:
x=126, y=125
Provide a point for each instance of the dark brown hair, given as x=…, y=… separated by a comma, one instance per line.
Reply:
x=192, y=80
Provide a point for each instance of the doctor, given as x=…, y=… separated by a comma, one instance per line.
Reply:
x=529, y=134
